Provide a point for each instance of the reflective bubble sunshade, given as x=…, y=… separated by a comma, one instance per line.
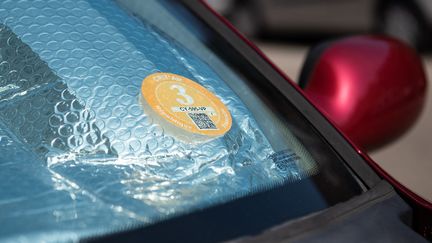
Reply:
x=85, y=156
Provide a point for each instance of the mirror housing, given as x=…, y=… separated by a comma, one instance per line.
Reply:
x=372, y=87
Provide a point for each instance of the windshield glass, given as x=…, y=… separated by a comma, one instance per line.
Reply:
x=116, y=114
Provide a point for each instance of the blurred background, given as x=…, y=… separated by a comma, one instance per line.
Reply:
x=286, y=29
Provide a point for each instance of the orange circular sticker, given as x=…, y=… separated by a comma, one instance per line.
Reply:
x=186, y=104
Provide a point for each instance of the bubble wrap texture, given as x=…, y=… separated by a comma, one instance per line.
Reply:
x=70, y=78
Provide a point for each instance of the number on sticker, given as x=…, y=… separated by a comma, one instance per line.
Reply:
x=186, y=99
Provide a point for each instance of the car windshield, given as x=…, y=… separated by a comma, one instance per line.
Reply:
x=117, y=114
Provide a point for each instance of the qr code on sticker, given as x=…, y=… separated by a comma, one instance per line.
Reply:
x=202, y=121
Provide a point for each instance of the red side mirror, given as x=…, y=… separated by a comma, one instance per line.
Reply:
x=373, y=88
